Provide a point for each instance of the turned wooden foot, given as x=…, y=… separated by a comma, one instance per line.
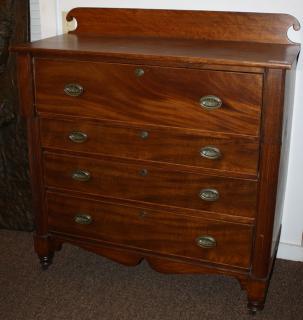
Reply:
x=45, y=248
x=256, y=295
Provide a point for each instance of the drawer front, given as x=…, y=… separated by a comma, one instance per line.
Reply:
x=147, y=183
x=176, y=146
x=164, y=96
x=164, y=233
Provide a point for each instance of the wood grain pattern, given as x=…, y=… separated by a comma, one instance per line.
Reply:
x=176, y=146
x=162, y=186
x=172, y=235
x=36, y=173
x=164, y=96
x=217, y=55
x=207, y=25
x=26, y=97
x=269, y=170
x=163, y=264
x=24, y=66
x=290, y=83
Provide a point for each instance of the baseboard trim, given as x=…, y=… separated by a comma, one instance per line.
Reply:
x=290, y=251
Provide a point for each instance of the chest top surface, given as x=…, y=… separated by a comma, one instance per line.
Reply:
x=176, y=36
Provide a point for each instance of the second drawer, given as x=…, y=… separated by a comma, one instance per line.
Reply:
x=147, y=183
x=216, y=151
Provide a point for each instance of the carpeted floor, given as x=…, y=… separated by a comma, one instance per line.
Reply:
x=83, y=286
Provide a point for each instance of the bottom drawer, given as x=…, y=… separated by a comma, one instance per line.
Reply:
x=160, y=232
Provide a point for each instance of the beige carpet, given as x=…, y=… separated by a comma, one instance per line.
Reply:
x=82, y=286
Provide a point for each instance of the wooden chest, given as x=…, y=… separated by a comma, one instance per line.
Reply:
x=152, y=136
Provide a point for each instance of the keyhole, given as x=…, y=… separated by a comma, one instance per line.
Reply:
x=143, y=172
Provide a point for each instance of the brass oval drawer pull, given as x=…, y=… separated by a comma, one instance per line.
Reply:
x=143, y=172
x=144, y=134
x=81, y=175
x=211, y=153
x=210, y=102
x=206, y=242
x=78, y=137
x=139, y=72
x=209, y=194
x=73, y=89
x=83, y=218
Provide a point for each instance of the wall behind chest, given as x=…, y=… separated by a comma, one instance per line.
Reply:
x=291, y=173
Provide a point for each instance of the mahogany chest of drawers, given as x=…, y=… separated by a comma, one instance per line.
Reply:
x=152, y=136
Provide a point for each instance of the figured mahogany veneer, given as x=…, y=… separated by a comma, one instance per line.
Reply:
x=125, y=156
x=133, y=227
x=163, y=96
x=239, y=154
x=206, y=25
x=148, y=183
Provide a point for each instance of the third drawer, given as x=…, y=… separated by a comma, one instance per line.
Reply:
x=151, y=184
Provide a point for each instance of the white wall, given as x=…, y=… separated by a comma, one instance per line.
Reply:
x=291, y=238
x=35, y=25
x=48, y=12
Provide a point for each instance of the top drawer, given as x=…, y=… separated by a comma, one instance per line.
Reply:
x=155, y=95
